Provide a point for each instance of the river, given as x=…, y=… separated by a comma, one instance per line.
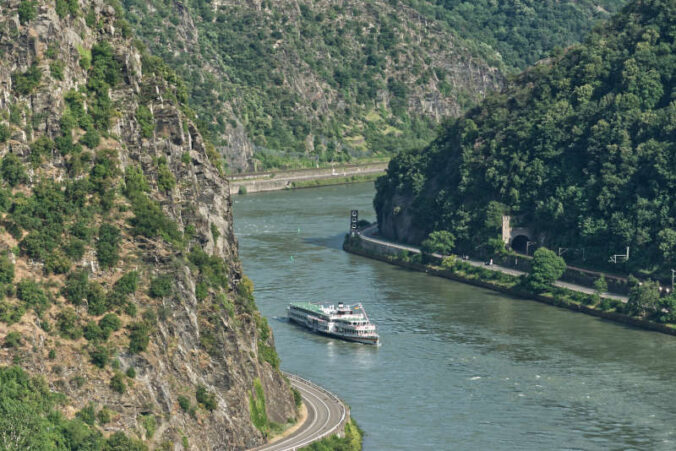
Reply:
x=460, y=367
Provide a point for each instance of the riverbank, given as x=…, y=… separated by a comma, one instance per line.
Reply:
x=304, y=178
x=455, y=269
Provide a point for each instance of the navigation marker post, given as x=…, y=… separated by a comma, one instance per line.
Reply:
x=354, y=219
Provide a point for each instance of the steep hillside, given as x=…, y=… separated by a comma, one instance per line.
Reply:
x=294, y=82
x=520, y=31
x=120, y=285
x=320, y=81
x=580, y=149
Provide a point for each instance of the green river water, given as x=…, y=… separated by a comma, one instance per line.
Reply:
x=460, y=367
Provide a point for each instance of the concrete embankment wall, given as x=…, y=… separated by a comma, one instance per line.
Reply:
x=385, y=254
x=275, y=181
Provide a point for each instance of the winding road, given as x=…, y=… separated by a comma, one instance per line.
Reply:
x=367, y=234
x=326, y=415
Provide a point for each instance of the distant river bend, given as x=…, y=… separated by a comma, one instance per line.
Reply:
x=460, y=367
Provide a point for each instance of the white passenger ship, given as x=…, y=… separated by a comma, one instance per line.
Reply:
x=345, y=321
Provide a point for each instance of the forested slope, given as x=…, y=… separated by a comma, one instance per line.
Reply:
x=580, y=148
x=299, y=82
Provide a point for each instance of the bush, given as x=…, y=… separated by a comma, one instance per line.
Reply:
x=74, y=249
x=201, y=291
x=144, y=117
x=135, y=183
x=150, y=221
x=160, y=286
x=56, y=69
x=100, y=356
x=5, y=133
x=103, y=416
x=57, y=263
x=127, y=284
x=165, y=178
x=91, y=138
x=297, y=398
x=131, y=372
x=64, y=7
x=97, y=302
x=24, y=83
x=139, y=337
x=68, y=324
x=208, y=400
x=184, y=403
x=32, y=294
x=107, y=247
x=93, y=332
x=117, y=385
x=12, y=170
x=109, y=324
x=27, y=11
x=76, y=288
x=6, y=270
x=87, y=414
x=13, y=340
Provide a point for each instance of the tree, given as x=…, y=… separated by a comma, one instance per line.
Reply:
x=546, y=268
x=644, y=298
x=439, y=242
x=12, y=170
x=600, y=285
x=107, y=247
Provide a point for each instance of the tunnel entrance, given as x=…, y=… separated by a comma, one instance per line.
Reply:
x=520, y=243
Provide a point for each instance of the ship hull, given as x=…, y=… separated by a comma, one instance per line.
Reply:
x=363, y=340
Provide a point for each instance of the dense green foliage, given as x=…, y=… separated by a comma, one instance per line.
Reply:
x=27, y=11
x=521, y=31
x=350, y=442
x=206, y=399
x=546, y=268
x=107, y=246
x=24, y=83
x=29, y=419
x=440, y=242
x=581, y=150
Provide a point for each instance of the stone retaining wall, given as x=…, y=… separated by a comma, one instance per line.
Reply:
x=384, y=253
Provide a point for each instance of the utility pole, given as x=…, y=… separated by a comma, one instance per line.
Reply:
x=673, y=272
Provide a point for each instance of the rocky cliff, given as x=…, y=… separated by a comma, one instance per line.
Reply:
x=119, y=274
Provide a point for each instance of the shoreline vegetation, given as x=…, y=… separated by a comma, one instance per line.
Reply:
x=454, y=268
x=305, y=178
x=350, y=441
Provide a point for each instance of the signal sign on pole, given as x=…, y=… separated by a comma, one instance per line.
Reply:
x=354, y=219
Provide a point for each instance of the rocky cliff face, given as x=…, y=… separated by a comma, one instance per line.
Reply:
x=112, y=204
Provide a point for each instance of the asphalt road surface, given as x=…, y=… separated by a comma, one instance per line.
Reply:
x=367, y=234
x=326, y=415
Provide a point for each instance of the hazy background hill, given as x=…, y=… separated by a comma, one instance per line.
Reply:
x=292, y=82
x=579, y=148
